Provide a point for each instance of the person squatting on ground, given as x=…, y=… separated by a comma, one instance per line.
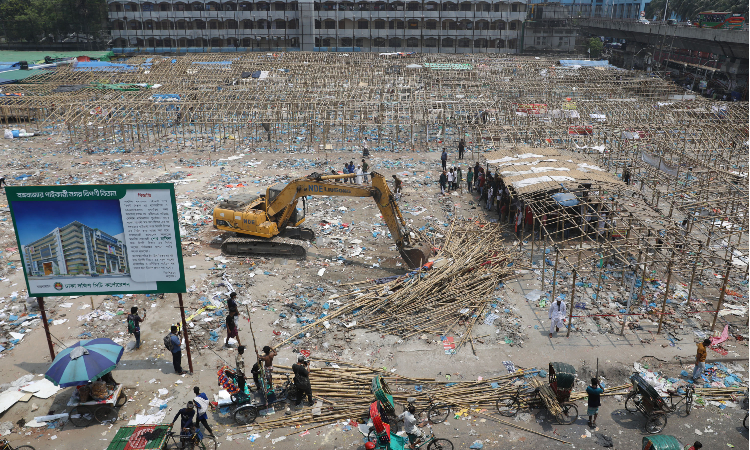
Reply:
x=557, y=312
x=302, y=380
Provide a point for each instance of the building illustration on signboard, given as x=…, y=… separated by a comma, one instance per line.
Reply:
x=76, y=250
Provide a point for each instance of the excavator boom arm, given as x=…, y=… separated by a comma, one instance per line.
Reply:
x=283, y=205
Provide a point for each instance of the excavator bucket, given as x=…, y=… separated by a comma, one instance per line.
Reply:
x=415, y=257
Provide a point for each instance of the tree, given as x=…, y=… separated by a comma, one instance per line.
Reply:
x=31, y=20
x=595, y=47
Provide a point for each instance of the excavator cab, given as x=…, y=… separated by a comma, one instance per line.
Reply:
x=298, y=215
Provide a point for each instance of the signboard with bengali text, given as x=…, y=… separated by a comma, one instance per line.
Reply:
x=98, y=239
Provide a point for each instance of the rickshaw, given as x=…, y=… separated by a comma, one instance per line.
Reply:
x=247, y=407
x=655, y=408
x=383, y=414
x=555, y=396
x=662, y=442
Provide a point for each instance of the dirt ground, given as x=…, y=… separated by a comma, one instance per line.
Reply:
x=345, y=230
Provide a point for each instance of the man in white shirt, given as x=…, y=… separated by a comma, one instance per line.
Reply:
x=410, y=425
x=557, y=312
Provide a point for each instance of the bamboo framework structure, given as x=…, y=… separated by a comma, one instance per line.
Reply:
x=682, y=214
x=308, y=101
x=609, y=223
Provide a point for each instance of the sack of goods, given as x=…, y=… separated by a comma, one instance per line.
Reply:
x=99, y=390
x=84, y=393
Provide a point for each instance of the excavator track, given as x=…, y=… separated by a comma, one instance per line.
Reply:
x=277, y=246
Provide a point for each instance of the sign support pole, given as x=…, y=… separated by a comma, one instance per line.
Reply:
x=40, y=300
x=185, y=333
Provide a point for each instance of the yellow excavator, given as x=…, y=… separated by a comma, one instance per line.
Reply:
x=270, y=224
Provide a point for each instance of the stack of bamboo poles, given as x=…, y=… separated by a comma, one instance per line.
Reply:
x=451, y=297
x=731, y=394
x=548, y=397
x=345, y=395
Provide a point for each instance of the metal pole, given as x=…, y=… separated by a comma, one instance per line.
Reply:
x=572, y=297
x=40, y=300
x=185, y=333
x=666, y=293
x=721, y=296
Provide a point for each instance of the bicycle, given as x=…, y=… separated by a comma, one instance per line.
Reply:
x=190, y=441
x=436, y=412
x=429, y=440
x=5, y=445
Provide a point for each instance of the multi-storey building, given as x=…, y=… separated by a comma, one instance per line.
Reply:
x=549, y=28
x=75, y=249
x=441, y=26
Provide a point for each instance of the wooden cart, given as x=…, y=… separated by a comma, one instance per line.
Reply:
x=83, y=413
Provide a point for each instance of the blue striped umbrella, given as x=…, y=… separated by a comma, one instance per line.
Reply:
x=84, y=361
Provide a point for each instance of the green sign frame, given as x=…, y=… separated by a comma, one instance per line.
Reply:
x=98, y=239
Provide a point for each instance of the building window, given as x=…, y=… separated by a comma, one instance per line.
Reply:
x=330, y=24
x=380, y=24
x=430, y=42
x=413, y=24
x=514, y=7
x=362, y=24
x=412, y=42
x=513, y=25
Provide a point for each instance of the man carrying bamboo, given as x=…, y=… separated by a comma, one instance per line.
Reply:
x=557, y=312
